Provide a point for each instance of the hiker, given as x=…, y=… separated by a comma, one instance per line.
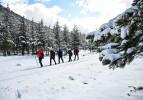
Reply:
x=52, y=56
x=40, y=55
x=70, y=54
x=60, y=55
x=76, y=51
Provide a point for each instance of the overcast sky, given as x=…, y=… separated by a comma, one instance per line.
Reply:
x=87, y=14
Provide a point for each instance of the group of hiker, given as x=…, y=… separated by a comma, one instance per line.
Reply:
x=40, y=55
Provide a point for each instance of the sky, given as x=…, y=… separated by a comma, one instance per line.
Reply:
x=88, y=15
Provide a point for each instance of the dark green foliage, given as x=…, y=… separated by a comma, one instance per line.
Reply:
x=135, y=2
x=90, y=38
x=75, y=37
x=57, y=32
x=66, y=37
x=106, y=61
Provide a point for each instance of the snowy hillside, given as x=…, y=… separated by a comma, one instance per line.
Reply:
x=85, y=79
x=13, y=17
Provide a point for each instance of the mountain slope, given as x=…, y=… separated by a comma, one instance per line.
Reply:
x=15, y=18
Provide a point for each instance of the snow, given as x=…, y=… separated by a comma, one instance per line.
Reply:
x=109, y=46
x=138, y=32
x=114, y=31
x=124, y=42
x=10, y=41
x=132, y=9
x=108, y=51
x=83, y=79
x=106, y=31
x=130, y=50
x=111, y=57
x=97, y=35
x=141, y=44
x=117, y=19
x=124, y=32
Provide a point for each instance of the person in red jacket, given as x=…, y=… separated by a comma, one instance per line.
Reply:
x=40, y=55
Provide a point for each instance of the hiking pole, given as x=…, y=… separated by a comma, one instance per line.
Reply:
x=36, y=60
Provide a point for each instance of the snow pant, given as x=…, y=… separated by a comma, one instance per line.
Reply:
x=70, y=58
x=40, y=61
x=51, y=61
x=76, y=56
x=60, y=57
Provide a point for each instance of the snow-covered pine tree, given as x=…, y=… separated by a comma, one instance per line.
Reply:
x=90, y=38
x=50, y=37
x=22, y=35
x=57, y=34
x=66, y=37
x=75, y=37
x=6, y=43
x=121, y=39
x=28, y=37
x=32, y=37
x=14, y=33
x=41, y=38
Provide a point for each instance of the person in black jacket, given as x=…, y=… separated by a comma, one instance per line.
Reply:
x=76, y=53
x=60, y=55
x=70, y=54
x=52, y=56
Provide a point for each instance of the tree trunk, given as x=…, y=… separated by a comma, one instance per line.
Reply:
x=32, y=47
x=23, y=50
x=28, y=50
x=4, y=52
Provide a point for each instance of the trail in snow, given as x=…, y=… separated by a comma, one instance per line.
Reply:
x=36, y=69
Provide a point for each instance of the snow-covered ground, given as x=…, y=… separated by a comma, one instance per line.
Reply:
x=84, y=79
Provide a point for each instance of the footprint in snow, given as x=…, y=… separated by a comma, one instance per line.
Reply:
x=84, y=82
x=18, y=64
x=134, y=89
x=71, y=78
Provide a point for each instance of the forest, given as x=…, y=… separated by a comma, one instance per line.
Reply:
x=20, y=36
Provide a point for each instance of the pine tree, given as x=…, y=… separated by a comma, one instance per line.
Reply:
x=32, y=37
x=22, y=36
x=50, y=37
x=57, y=33
x=75, y=37
x=41, y=35
x=90, y=38
x=123, y=38
x=6, y=38
x=66, y=37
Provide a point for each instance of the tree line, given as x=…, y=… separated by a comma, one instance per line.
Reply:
x=21, y=36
